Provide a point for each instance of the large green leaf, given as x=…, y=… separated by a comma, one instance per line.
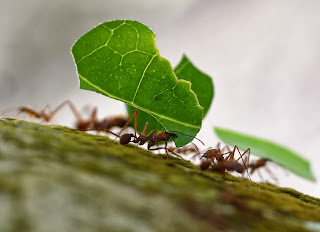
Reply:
x=120, y=60
x=267, y=149
x=201, y=84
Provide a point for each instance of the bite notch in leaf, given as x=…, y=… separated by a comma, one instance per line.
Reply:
x=202, y=86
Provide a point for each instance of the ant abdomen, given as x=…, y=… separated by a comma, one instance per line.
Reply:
x=235, y=166
x=205, y=164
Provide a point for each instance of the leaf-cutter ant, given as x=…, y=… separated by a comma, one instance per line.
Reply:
x=81, y=124
x=257, y=164
x=154, y=138
x=215, y=161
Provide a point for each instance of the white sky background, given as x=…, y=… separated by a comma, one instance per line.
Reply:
x=264, y=58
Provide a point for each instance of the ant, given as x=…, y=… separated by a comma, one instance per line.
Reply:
x=257, y=164
x=154, y=138
x=81, y=124
x=217, y=154
x=223, y=164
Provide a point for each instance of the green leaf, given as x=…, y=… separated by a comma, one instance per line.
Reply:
x=144, y=117
x=120, y=60
x=269, y=150
x=202, y=86
x=201, y=83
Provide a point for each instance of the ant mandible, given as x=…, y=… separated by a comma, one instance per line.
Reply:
x=81, y=124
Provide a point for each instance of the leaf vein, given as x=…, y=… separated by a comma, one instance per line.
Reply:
x=143, y=74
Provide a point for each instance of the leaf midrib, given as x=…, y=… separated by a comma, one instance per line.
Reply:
x=136, y=106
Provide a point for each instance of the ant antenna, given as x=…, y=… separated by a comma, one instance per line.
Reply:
x=103, y=129
x=189, y=136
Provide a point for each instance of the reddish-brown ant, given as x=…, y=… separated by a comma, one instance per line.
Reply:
x=216, y=153
x=254, y=165
x=81, y=124
x=257, y=164
x=223, y=164
x=154, y=138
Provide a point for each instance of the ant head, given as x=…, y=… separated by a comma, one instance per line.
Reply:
x=125, y=138
x=205, y=155
x=172, y=135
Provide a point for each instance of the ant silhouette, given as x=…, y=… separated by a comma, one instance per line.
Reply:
x=215, y=161
x=81, y=124
x=154, y=138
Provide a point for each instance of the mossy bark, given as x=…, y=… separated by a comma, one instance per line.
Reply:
x=57, y=179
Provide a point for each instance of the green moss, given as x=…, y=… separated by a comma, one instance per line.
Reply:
x=90, y=183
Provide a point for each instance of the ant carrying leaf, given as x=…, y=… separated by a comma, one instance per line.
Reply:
x=154, y=138
x=269, y=151
x=136, y=74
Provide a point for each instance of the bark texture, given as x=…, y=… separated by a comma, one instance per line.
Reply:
x=58, y=179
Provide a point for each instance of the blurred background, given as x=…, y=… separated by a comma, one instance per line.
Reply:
x=262, y=55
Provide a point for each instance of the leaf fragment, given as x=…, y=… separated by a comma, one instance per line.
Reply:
x=269, y=150
x=119, y=59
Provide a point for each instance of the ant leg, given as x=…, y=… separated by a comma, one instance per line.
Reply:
x=272, y=175
x=105, y=130
x=225, y=147
x=231, y=154
x=159, y=148
x=135, y=113
x=45, y=116
x=241, y=155
x=196, y=150
x=93, y=117
x=29, y=111
x=166, y=148
x=218, y=146
x=48, y=107
x=247, y=159
x=175, y=154
x=73, y=109
x=145, y=128
x=42, y=114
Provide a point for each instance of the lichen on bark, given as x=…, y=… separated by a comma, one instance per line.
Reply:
x=55, y=178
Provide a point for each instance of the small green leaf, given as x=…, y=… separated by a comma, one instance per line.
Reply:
x=201, y=83
x=269, y=150
x=120, y=60
x=202, y=86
